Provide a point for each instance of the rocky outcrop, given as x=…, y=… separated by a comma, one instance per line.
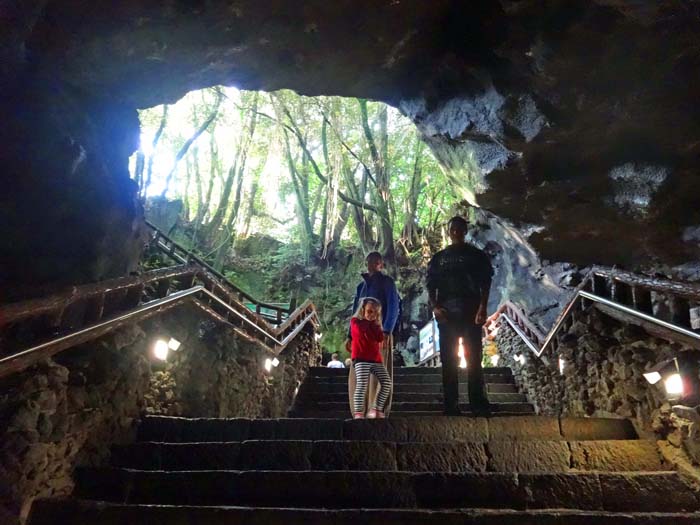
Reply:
x=69, y=411
x=574, y=120
x=603, y=363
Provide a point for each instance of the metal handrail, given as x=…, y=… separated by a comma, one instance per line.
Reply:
x=67, y=341
x=688, y=290
x=641, y=315
x=191, y=256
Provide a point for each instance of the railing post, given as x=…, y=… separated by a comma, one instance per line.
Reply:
x=641, y=299
x=621, y=293
x=680, y=311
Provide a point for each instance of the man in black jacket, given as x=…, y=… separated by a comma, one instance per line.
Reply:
x=459, y=279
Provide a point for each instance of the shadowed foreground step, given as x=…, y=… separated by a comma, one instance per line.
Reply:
x=76, y=512
x=397, y=429
x=453, y=456
x=618, y=492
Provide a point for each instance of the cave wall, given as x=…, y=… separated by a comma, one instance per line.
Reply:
x=574, y=120
x=603, y=366
x=69, y=410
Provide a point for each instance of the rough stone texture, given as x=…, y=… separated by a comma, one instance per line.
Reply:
x=205, y=379
x=449, y=429
x=571, y=119
x=528, y=456
x=354, y=455
x=442, y=457
x=69, y=410
x=616, y=455
x=604, y=363
x=64, y=412
x=524, y=428
x=50, y=511
x=647, y=492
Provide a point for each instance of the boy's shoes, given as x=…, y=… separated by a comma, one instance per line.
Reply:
x=358, y=415
x=375, y=414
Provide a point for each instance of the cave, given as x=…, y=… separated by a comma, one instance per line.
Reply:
x=572, y=125
x=568, y=129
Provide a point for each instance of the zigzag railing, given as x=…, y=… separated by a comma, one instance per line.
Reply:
x=181, y=255
x=623, y=295
x=33, y=330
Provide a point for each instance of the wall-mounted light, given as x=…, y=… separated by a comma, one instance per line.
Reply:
x=494, y=359
x=519, y=358
x=161, y=350
x=269, y=364
x=674, y=385
x=562, y=364
x=669, y=371
x=174, y=344
x=318, y=335
x=652, y=377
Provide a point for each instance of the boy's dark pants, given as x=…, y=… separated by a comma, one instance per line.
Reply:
x=450, y=332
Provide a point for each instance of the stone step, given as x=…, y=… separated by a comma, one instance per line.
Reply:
x=399, y=407
x=69, y=511
x=320, y=371
x=408, y=397
x=313, y=387
x=396, y=428
x=492, y=456
x=618, y=492
x=344, y=414
x=409, y=379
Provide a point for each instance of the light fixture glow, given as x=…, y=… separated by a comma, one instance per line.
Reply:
x=275, y=362
x=160, y=350
x=562, y=363
x=318, y=336
x=460, y=353
x=674, y=385
x=173, y=344
x=494, y=359
x=652, y=377
x=519, y=358
x=268, y=364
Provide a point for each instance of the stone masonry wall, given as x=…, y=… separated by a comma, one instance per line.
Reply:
x=71, y=409
x=603, y=365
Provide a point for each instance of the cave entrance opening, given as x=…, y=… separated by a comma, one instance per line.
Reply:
x=286, y=194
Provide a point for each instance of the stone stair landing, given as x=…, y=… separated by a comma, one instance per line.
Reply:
x=505, y=470
x=417, y=392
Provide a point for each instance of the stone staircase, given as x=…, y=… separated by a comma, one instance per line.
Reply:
x=417, y=392
x=522, y=470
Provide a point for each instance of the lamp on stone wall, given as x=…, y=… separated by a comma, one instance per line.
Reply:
x=161, y=350
x=519, y=358
x=269, y=364
x=669, y=371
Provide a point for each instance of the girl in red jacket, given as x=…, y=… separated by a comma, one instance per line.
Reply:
x=367, y=336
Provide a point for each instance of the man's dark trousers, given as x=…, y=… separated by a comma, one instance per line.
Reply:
x=450, y=332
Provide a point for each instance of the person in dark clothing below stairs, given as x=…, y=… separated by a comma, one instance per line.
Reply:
x=458, y=281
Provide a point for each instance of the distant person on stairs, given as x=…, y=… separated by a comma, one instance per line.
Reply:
x=459, y=279
x=335, y=362
x=380, y=286
x=367, y=336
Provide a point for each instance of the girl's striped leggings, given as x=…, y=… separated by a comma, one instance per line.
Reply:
x=362, y=372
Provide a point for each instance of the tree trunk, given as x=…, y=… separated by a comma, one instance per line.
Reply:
x=186, y=146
